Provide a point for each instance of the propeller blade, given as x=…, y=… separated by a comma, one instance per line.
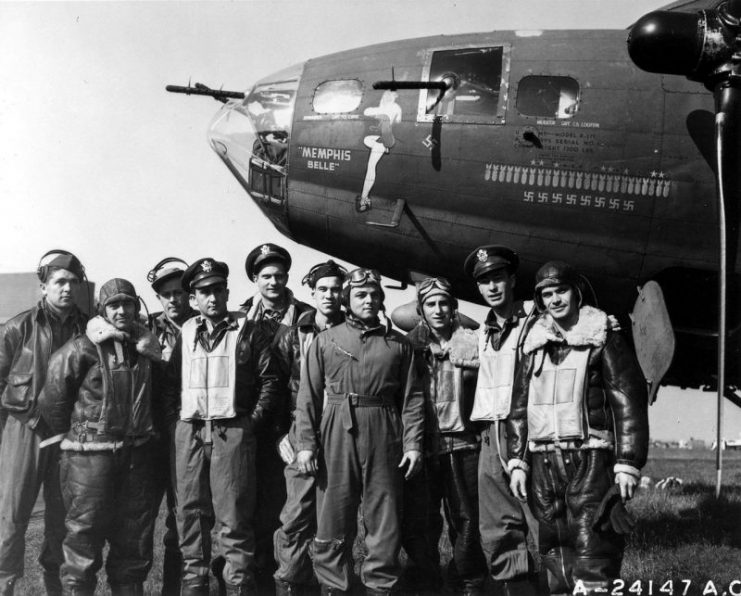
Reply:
x=727, y=130
x=706, y=47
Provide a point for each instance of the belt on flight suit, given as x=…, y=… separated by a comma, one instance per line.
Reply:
x=349, y=401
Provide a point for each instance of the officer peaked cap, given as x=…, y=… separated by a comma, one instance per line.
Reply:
x=262, y=255
x=205, y=272
x=490, y=258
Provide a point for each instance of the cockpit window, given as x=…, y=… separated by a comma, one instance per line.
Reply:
x=337, y=97
x=548, y=97
x=478, y=77
x=269, y=107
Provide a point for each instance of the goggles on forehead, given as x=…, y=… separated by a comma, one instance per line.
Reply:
x=362, y=277
x=432, y=284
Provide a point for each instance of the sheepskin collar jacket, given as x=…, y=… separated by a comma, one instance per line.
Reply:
x=615, y=395
x=98, y=388
x=449, y=374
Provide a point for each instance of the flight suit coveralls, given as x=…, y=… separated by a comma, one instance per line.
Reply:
x=28, y=341
x=293, y=539
x=449, y=477
x=372, y=414
x=579, y=416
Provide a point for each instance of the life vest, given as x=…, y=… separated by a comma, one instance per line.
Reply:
x=555, y=407
x=496, y=375
x=209, y=378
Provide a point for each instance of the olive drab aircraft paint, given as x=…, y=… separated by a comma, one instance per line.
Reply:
x=403, y=156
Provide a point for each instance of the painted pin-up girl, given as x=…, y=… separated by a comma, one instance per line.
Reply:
x=387, y=113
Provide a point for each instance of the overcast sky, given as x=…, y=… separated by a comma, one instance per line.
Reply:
x=96, y=158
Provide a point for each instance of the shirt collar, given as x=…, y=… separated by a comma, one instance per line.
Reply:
x=229, y=321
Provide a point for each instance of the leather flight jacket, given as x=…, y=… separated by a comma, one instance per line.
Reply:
x=449, y=376
x=25, y=350
x=100, y=394
x=614, y=397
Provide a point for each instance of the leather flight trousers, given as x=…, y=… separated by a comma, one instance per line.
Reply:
x=567, y=488
x=24, y=467
x=109, y=497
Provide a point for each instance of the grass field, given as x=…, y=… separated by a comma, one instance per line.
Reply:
x=683, y=535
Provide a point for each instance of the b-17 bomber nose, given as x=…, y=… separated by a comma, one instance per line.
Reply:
x=252, y=137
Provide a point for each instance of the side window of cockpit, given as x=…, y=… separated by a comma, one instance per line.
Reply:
x=477, y=84
x=337, y=97
x=548, y=97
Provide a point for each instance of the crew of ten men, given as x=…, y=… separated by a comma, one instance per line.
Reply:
x=544, y=408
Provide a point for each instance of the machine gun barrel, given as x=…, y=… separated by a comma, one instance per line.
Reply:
x=201, y=89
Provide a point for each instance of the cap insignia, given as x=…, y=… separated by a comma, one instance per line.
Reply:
x=207, y=266
x=482, y=255
x=264, y=249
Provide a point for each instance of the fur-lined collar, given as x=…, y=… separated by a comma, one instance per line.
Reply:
x=99, y=330
x=462, y=349
x=590, y=330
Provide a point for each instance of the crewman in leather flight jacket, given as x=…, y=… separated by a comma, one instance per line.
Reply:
x=579, y=428
x=504, y=521
x=98, y=392
x=28, y=456
x=222, y=386
x=448, y=356
x=166, y=279
x=369, y=428
x=292, y=541
x=268, y=266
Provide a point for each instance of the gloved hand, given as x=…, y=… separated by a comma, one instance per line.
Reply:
x=612, y=513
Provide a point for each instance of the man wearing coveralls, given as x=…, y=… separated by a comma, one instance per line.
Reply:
x=502, y=517
x=295, y=573
x=583, y=449
x=166, y=279
x=222, y=383
x=369, y=427
x=26, y=460
x=98, y=395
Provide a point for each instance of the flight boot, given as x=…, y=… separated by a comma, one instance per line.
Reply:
x=78, y=591
x=127, y=590
x=247, y=589
x=172, y=573
x=327, y=591
x=284, y=588
x=217, y=568
x=194, y=590
x=53, y=583
x=523, y=585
